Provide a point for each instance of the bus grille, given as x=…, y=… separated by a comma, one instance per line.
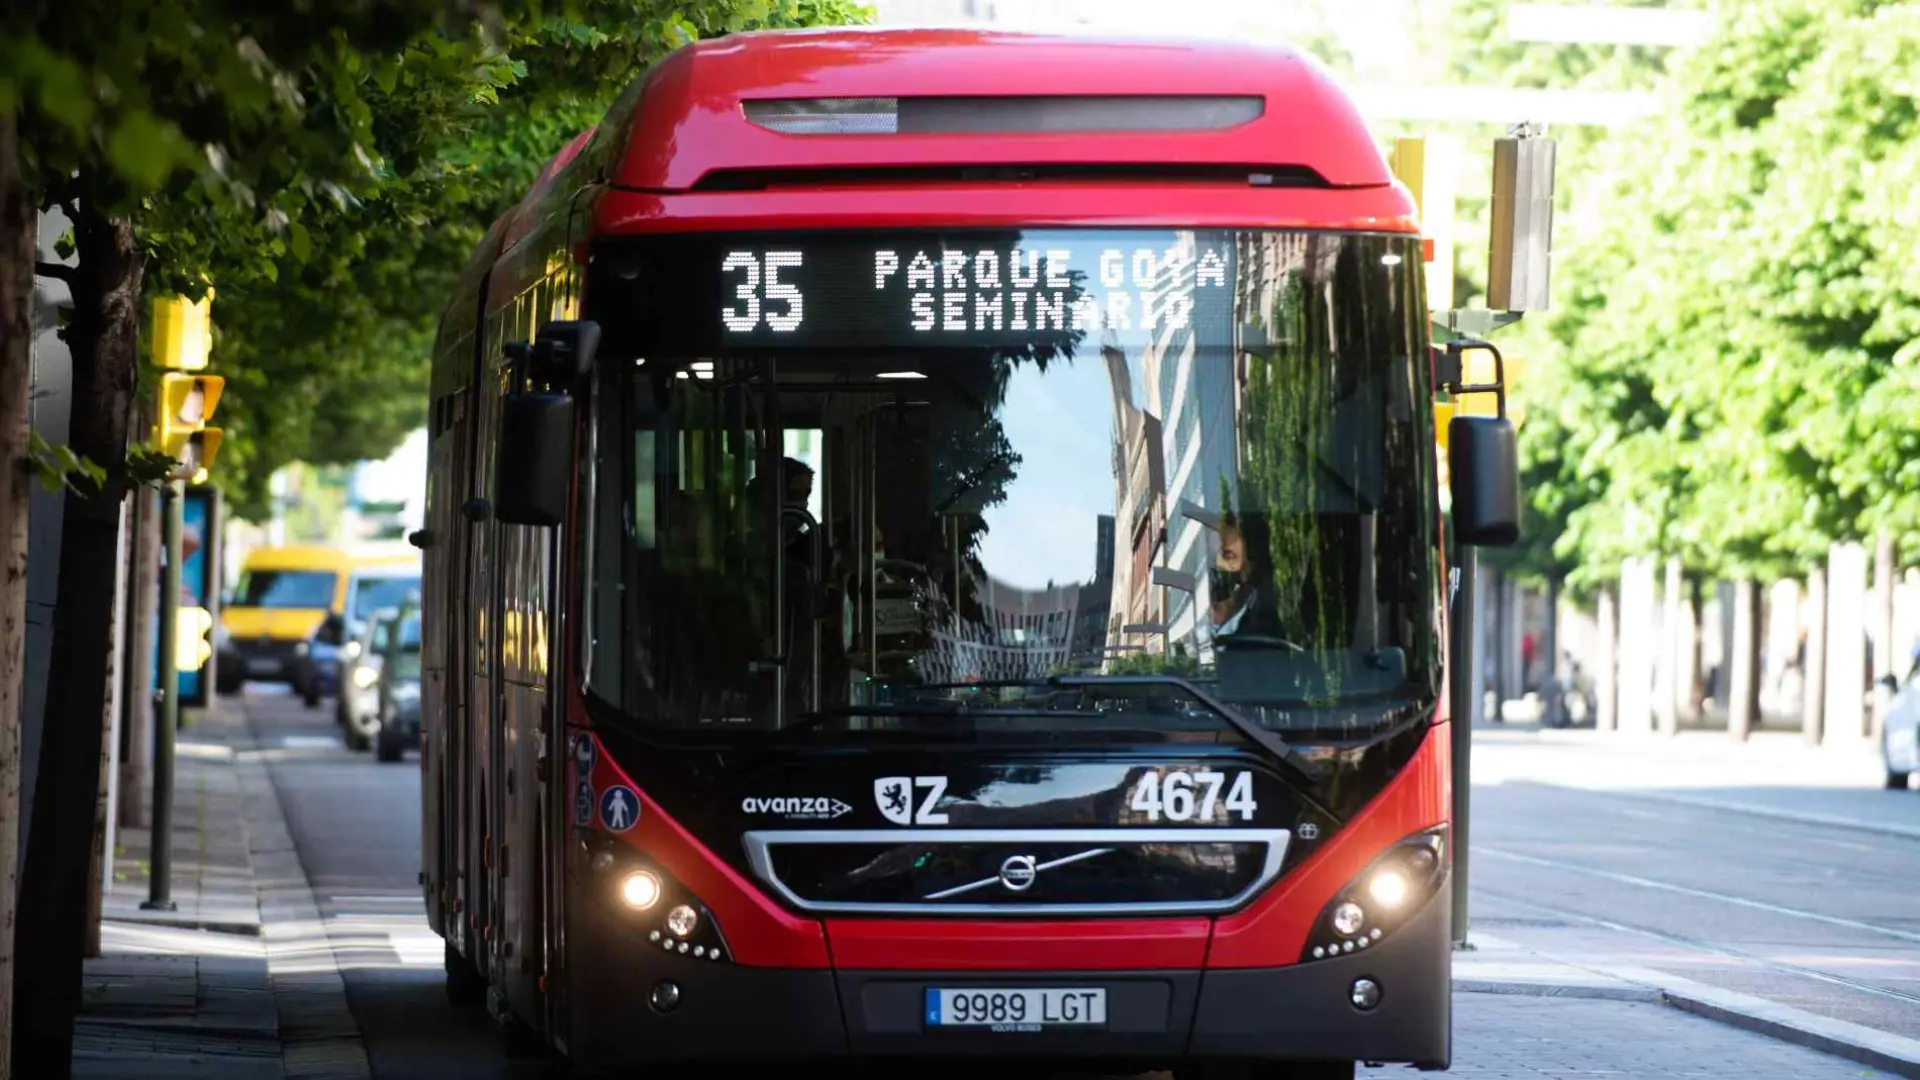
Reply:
x=1018, y=872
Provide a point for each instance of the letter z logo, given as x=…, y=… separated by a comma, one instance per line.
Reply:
x=894, y=795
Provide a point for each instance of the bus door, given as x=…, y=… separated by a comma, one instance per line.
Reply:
x=439, y=663
x=483, y=626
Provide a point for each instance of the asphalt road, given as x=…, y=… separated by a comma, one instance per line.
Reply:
x=1822, y=917
x=1552, y=856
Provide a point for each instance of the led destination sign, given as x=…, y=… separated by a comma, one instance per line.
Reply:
x=958, y=290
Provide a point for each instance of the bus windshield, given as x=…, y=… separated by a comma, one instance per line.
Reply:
x=917, y=481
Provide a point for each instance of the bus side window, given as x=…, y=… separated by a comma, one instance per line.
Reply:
x=646, y=510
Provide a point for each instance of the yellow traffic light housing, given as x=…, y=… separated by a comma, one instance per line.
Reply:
x=1430, y=166
x=180, y=431
x=182, y=331
x=191, y=649
x=202, y=447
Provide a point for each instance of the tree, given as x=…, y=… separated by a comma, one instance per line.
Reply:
x=1734, y=356
x=330, y=166
x=178, y=137
x=17, y=234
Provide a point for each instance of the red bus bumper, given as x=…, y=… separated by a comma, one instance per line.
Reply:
x=1155, y=1018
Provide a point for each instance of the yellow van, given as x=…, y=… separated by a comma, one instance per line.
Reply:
x=289, y=613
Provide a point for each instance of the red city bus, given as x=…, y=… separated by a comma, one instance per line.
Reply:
x=934, y=551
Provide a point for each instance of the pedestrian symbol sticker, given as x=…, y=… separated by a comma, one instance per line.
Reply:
x=583, y=803
x=619, y=808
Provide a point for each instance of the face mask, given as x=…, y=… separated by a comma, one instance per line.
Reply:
x=1222, y=582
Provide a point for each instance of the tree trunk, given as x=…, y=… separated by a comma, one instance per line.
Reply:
x=19, y=222
x=100, y=860
x=1742, y=657
x=143, y=592
x=104, y=338
x=1606, y=664
x=1669, y=681
x=1880, y=618
x=1813, y=668
x=1695, y=645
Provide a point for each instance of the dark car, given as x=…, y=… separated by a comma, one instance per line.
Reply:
x=398, y=639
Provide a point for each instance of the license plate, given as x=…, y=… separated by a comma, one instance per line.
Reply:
x=263, y=667
x=1016, y=1010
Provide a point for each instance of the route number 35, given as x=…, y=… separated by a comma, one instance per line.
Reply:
x=761, y=283
x=1193, y=796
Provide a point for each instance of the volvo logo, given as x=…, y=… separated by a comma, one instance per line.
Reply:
x=1017, y=873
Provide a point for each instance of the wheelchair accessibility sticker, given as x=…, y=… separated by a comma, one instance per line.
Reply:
x=583, y=803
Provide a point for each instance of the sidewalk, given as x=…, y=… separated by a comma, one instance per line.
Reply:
x=1586, y=964
x=1775, y=774
x=212, y=989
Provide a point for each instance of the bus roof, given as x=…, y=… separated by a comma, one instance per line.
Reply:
x=691, y=129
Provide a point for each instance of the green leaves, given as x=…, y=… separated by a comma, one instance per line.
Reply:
x=1732, y=368
x=58, y=467
x=328, y=167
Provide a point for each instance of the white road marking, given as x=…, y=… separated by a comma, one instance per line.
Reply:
x=311, y=742
x=418, y=948
x=1698, y=894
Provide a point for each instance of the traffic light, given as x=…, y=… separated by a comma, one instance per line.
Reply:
x=182, y=331
x=186, y=404
x=1430, y=167
x=191, y=649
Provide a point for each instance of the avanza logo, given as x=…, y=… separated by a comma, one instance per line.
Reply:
x=811, y=807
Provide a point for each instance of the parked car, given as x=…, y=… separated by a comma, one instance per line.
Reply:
x=357, y=710
x=1900, y=732
x=399, y=683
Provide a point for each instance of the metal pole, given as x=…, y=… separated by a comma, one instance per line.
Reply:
x=1462, y=709
x=167, y=723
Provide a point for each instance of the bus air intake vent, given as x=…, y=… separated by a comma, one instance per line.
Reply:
x=1002, y=115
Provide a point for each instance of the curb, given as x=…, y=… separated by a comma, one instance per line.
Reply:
x=214, y=926
x=1644, y=994
x=1798, y=1036
x=1881, y=1050
x=1887, y=1052
x=319, y=1038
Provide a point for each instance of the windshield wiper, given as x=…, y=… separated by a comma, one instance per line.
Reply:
x=1260, y=736
x=1257, y=642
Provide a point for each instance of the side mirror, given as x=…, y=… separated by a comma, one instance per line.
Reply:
x=330, y=631
x=1485, y=471
x=531, y=481
x=561, y=352
x=1890, y=683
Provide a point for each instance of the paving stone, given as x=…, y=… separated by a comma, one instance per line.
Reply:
x=1505, y=1037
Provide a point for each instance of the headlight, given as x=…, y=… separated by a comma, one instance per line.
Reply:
x=665, y=911
x=641, y=890
x=353, y=650
x=682, y=921
x=1377, y=902
x=364, y=677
